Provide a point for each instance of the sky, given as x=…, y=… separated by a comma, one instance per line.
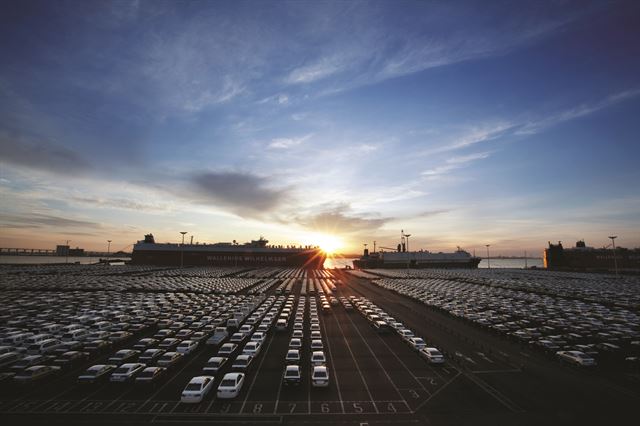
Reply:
x=462, y=123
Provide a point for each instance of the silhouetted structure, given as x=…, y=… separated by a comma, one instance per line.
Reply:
x=257, y=252
x=584, y=258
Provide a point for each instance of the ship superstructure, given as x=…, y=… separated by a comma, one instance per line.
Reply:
x=401, y=257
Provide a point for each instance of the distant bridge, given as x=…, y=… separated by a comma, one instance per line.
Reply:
x=10, y=251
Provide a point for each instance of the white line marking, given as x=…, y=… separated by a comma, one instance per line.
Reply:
x=512, y=370
x=255, y=376
x=375, y=357
x=326, y=339
x=344, y=337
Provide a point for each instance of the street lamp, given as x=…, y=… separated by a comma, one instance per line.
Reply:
x=108, y=247
x=182, y=249
x=615, y=261
x=488, y=257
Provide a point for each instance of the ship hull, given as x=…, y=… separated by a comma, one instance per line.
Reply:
x=471, y=263
x=313, y=259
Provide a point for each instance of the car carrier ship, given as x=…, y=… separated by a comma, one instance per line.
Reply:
x=401, y=257
x=255, y=253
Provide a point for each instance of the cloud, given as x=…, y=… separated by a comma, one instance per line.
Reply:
x=41, y=155
x=121, y=203
x=285, y=143
x=578, y=111
x=38, y=220
x=319, y=70
x=453, y=163
x=245, y=194
x=365, y=147
x=431, y=213
x=339, y=219
x=524, y=127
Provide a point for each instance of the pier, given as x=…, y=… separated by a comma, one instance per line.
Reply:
x=10, y=251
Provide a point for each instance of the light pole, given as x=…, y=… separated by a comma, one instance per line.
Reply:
x=108, y=247
x=182, y=249
x=615, y=261
x=488, y=257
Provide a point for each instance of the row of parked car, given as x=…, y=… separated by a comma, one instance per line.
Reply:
x=306, y=338
x=382, y=322
x=82, y=329
x=583, y=332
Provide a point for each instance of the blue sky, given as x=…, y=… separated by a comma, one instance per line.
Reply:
x=464, y=123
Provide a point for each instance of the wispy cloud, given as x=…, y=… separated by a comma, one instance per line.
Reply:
x=452, y=164
x=518, y=126
x=542, y=123
x=39, y=220
x=319, y=70
x=286, y=143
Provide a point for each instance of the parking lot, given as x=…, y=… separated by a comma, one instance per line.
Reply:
x=375, y=377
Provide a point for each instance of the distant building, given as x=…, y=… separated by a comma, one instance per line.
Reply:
x=64, y=250
x=583, y=258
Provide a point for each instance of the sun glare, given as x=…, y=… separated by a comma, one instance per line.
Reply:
x=328, y=243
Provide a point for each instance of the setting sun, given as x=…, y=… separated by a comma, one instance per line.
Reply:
x=328, y=243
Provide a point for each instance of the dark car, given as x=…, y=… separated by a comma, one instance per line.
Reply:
x=71, y=359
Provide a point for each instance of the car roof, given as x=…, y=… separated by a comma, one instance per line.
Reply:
x=200, y=379
x=320, y=368
x=233, y=376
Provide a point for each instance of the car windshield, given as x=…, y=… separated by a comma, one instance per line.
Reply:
x=193, y=387
x=121, y=370
x=228, y=383
x=320, y=374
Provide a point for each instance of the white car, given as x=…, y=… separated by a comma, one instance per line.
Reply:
x=242, y=362
x=230, y=385
x=406, y=333
x=298, y=334
x=316, y=344
x=577, y=358
x=318, y=358
x=292, y=375
x=417, y=343
x=320, y=376
x=258, y=336
x=126, y=372
x=432, y=355
x=316, y=334
x=215, y=364
x=197, y=389
x=293, y=356
x=295, y=343
x=187, y=346
x=252, y=348
x=227, y=349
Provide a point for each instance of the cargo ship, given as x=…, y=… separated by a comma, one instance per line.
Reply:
x=255, y=253
x=589, y=259
x=401, y=257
